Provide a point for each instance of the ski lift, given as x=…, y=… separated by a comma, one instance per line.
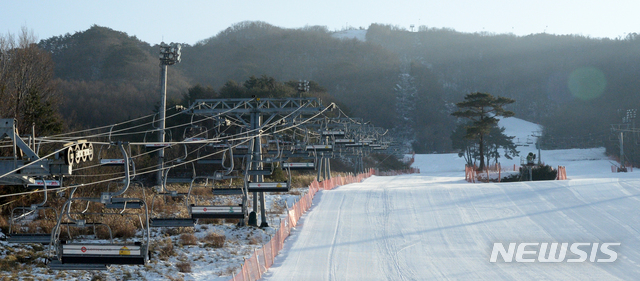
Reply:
x=33, y=213
x=172, y=221
x=70, y=255
x=184, y=173
x=199, y=210
x=269, y=186
x=214, y=154
x=97, y=255
x=194, y=132
x=333, y=133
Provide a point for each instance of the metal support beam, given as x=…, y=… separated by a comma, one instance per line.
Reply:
x=161, y=121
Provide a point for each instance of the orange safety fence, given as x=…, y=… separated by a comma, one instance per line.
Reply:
x=262, y=258
x=470, y=173
x=562, y=173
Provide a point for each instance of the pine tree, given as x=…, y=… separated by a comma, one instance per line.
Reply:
x=482, y=109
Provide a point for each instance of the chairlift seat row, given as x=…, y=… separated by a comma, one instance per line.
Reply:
x=259, y=172
x=333, y=133
x=125, y=204
x=112, y=162
x=41, y=183
x=227, y=191
x=299, y=166
x=94, y=253
x=179, y=180
x=219, y=145
x=38, y=238
x=344, y=141
x=320, y=147
x=172, y=222
x=270, y=160
x=217, y=212
x=268, y=186
x=57, y=265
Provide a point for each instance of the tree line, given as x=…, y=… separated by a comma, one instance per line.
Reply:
x=405, y=81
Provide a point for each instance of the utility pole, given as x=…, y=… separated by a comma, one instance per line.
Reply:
x=169, y=55
x=618, y=129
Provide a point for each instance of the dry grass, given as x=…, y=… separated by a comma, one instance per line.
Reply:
x=172, y=278
x=229, y=271
x=173, y=231
x=302, y=180
x=255, y=239
x=188, y=239
x=121, y=227
x=278, y=207
x=4, y=225
x=184, y=267
x=215, y=240
x=163, y=248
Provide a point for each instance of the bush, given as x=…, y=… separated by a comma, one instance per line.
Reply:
x=165, y=249
x=188, y=239
x=215, y=240
x=511, y=178
x=544, y=172
x=184, y=267
x=538, y=173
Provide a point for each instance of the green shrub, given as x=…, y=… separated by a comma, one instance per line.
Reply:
x=544, y=172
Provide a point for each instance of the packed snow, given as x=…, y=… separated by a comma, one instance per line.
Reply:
x=435, y=225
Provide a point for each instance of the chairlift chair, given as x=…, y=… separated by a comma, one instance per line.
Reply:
x=31, y=213
x=198, y=210
x=183, y=173
x=269, y=186
x=172, y=221
x=97, y=255
x=73, y=255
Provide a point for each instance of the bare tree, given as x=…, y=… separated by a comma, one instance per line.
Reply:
x=26, y=81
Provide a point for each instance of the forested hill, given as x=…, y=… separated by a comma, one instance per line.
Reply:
x=406, y=81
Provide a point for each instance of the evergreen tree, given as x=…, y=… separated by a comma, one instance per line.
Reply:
x=406, y=92
x=495, y=140
x=482, y=109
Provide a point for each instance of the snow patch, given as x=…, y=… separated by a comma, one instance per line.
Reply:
x=359, y=34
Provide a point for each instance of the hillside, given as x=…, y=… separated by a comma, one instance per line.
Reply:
x=401, y=80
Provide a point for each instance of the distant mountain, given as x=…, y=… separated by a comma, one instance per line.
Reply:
x=107, y=76
x=405, y=81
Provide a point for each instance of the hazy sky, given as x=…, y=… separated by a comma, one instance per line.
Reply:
x=191, y=21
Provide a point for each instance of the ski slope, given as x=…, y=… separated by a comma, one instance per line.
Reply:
x=434, y=225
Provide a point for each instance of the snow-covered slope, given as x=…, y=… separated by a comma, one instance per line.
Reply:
x=525, y=132
x=421, y=227
x=434, y=225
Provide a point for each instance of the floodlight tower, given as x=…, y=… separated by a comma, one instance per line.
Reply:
x=303, y=87
x=169, y=55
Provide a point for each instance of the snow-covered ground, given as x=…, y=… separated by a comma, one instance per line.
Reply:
x=206, y=262
x=434, y=225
